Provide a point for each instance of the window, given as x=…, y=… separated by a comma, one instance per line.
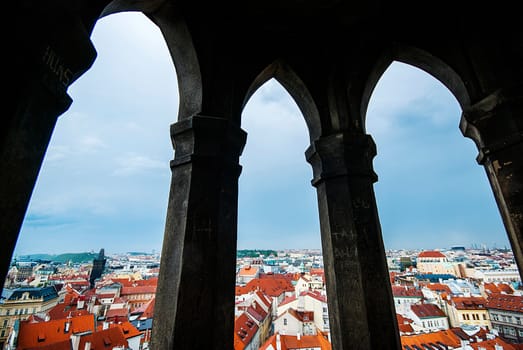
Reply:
x=484, y=316
x=284, y=321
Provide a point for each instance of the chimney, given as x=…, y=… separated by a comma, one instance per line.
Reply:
x=105, y=325
x=278, y=342
x=87, y=345
x=80, y=304
x=75, y=341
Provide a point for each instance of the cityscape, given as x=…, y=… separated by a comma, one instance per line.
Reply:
x=451, y=298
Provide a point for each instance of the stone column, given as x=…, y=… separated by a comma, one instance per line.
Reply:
x=51, y=54
x=195, y=297
x=361, y=309
x=495, y=124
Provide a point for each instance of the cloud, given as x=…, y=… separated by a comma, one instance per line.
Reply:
x=132, y=164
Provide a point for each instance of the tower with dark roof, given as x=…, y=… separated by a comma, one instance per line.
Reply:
x=98, y=268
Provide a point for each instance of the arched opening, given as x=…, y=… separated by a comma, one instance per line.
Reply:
x=104, y=182
x=278, y=229
x=432, y=196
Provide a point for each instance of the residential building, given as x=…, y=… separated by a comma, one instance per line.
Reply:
x=293, y=322
x=498, y=275
x=427, y=317
x=467, y=311
x=246, y=335
x=435, y=262
x=309, y=301
x=404, y=297
x=20, y=303
x=247, y=274
x=137, y=296
x=275, y=287
x=506, y=316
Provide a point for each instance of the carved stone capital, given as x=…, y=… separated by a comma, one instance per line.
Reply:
x=204, y=137
x=496, y=122
x=342, y=154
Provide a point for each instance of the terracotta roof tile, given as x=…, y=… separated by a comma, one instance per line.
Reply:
x=431, y=254
x=427, y=311
x=289, y=342
x=404, y=291
x=505, y=302
x=244, y=330
x=272, y=287
x=43, y=333
x=147, y=289
x=468, y=303
x=248, y=271
x=447, y=338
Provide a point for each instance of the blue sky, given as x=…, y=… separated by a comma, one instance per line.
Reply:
x=105, y=178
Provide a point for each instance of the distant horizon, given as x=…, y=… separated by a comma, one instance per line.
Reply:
x=472, y=246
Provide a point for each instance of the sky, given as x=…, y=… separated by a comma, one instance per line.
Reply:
x=105, y=179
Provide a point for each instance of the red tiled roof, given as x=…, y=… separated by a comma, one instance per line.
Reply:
x=431, y=254
x=404, y=324
x=315, y=294
x=468, y=303
x=120, y=314
x=405, y=328
x=448, y=338
x=404, y=291
x=104, y=340
x=146, y=310
x=427, y=311
x=264, y=299
x=302, y=316
x=289, y=342
x=288, y=300
x=127, y=328
x=256, y=313
x=63, y=310
x=505, y=302
x=248, y=271
x=147, y=289
x=272, y=287
x=403, y=320
x=491, y=345
x=498, y=288
x=244, y=330
x=43, y=333
x=439, y=287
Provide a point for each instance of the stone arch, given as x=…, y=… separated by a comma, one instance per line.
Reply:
x=295, y=86
x=423, y=60
x=180, y=45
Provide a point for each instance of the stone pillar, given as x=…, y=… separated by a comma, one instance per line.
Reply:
x=495, y=124
x=50, y=56
x=361, y=308
x=195, y=297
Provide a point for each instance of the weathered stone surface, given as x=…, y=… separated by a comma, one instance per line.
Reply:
x=329, y=55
